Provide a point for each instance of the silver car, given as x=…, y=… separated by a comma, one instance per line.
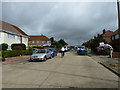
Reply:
x=41, y=55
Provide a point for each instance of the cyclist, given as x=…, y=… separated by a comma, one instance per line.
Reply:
x=62, y=52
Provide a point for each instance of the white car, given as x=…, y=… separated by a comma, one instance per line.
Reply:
x=41, y=55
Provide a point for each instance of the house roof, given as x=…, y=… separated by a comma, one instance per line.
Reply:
x=116, y=32
x=108, y=33
x=23, y=33
x=38, y=37
x=11, y=28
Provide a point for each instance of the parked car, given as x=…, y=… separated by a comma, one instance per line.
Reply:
x=41, y=55
x=34, y=50
x=53, y=51
x=82, y=50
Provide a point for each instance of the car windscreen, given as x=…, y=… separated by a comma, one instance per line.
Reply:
x=81, y=47
x=34, y=49
x=41, y=51
x=51, y=49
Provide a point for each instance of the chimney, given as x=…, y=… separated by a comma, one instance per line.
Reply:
x=104, y=31
x=98, y=35
x=94, y=37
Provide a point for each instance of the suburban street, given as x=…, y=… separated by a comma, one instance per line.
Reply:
x=72, y=71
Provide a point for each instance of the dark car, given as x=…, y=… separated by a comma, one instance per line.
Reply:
x=53, y=51
x=82, y=50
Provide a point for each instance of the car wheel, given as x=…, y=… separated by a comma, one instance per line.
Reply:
x=55, y=54
x=45, y=58
x=50, y=56
x=29, y=60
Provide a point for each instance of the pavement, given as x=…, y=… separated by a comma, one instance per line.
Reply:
x=111, y=63
x=73, y=70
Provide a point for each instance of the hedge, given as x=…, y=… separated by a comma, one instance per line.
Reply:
x=13, y=53
x=104, y=52
x=4, y=46
x=23, y=46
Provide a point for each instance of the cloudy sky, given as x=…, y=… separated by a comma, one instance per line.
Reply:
x=74, y=22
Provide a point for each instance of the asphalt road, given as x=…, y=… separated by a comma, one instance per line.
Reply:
x=71, y=71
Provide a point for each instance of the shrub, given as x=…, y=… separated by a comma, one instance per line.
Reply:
x=103, y=51
x=17, y=48
x=106, y=52
x=23, y=46
x=10, y=53
x=4, y=46
x=13, y=53
x=95, y=43
x=26, y=52
x=30, y=51
x=3, y=59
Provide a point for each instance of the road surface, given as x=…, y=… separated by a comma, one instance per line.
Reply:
x=73, y=70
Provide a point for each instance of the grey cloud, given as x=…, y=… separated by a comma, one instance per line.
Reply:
x=75, y=22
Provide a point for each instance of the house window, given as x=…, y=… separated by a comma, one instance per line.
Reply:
x=33, y=41
x=24, y=38
x=29, y=41
x=18, y=37
x=43, y=42
x=12, y=36
x=116, y=36
x=48, y=42
x=38, y=42
x=112, y=37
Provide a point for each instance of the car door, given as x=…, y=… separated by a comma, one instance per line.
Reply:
x=49, y=53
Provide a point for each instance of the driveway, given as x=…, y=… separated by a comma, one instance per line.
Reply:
x=71, y=71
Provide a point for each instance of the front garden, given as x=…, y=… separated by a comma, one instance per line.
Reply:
x=17, y=50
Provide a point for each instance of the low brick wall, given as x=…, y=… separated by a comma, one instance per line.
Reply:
x=16, y=58
x=116, y=55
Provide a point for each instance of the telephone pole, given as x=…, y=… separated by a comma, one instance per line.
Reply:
x=118, y=8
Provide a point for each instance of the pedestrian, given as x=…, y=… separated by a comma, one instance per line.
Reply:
x=62, y=52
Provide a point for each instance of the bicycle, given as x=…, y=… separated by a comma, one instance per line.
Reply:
x=62, y=54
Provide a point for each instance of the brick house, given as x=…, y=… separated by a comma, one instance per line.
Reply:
x=106, y=35
x=115, y=40
x=12, y=34
x=39, y=40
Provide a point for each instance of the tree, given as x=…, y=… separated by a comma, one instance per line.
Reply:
x=4, y=46
x=94, y=43
x=62, y=42
x=52, y=39
x=56, y=43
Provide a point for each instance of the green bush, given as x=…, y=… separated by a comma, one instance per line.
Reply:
x=95, y=43
x=17, y=48
x=4, y=46
x=26, y=52
x=3, y=59
x=10, y=53
x=106, y=52
x=13, y=53
x=23, y=46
